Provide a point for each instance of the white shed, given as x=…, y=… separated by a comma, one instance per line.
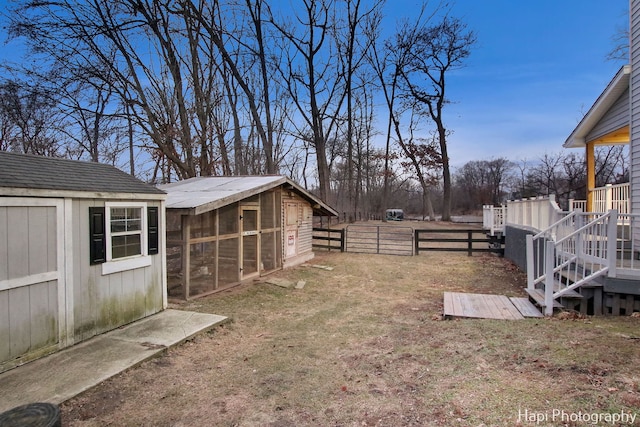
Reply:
x=81, y=253
x=225, y=230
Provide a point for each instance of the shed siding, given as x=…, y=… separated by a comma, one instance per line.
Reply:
x=29, y=310
x=105, y=302
x=616, y=118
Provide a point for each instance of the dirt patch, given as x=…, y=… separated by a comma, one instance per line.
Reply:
x=363, y=345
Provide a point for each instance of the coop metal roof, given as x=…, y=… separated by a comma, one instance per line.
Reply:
x=37, y=174
x=203, y=194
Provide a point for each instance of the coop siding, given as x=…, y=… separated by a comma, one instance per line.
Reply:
x=616, y=118
x=305, y=231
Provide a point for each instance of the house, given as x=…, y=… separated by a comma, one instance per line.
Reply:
x=606, y=123
x=81, y=253
x=222, y=231
x=586, y=258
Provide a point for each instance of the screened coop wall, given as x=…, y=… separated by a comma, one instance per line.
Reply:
x=220, y=248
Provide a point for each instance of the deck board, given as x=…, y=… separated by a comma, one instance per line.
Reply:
x=486, y=306
x=525, y=307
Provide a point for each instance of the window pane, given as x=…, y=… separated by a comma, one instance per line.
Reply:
x=126, y=219
x=125, y=246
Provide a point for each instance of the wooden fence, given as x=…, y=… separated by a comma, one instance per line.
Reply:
x=449, y=240
x=326, y=238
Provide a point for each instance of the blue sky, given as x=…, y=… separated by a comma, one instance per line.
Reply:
x=537, y=68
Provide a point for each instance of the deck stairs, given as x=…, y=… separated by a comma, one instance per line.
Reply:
x=569, y=255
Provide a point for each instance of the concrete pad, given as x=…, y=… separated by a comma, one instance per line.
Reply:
x=168, y=328
x=67, y=373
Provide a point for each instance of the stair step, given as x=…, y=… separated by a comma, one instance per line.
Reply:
x=557, y=287
x=538, y=296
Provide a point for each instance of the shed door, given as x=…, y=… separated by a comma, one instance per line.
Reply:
x=32, y=293
x=291, y=229
x=250, y=241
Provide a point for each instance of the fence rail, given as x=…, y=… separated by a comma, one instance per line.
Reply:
x=379, y=239
x=404, y=241
x=328, y=238
x=453, y=244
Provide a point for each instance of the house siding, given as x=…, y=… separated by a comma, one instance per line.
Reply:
x=616, y=118
x=634, y=84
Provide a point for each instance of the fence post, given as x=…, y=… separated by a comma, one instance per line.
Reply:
x=416, y=241
x=343, y=239
x=549, y=279
x=469, y=243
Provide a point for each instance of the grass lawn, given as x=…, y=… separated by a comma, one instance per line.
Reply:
x=364, y=345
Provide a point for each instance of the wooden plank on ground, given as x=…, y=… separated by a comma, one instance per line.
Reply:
x=457, y=304
x=525, y=307
x=505, y=308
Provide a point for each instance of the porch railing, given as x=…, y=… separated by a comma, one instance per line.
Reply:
x=537, y=213
x=611, y=196
x=493, y=218
x=559, y=264
x=628, y=245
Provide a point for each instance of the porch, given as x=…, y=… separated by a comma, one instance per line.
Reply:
x=586, y=261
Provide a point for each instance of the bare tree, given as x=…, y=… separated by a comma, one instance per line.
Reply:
x=620, y=40
x=435, y=51
x=310, y=74
x=26, y=114
x=353, y=42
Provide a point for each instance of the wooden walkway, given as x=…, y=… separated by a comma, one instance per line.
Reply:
x=486, y=306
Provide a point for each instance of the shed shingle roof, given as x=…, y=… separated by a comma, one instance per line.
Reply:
x=48, y=173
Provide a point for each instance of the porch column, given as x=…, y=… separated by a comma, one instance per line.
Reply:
x=591, y=174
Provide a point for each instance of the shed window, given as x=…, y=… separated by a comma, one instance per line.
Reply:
x=126, y=232
x=130, y=235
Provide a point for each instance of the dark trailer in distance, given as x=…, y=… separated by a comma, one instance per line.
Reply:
x=394, y=215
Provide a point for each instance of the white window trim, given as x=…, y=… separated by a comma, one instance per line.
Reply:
x=132, y=262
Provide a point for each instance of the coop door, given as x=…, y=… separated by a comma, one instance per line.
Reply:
x=250, y=242
x=291, y=229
